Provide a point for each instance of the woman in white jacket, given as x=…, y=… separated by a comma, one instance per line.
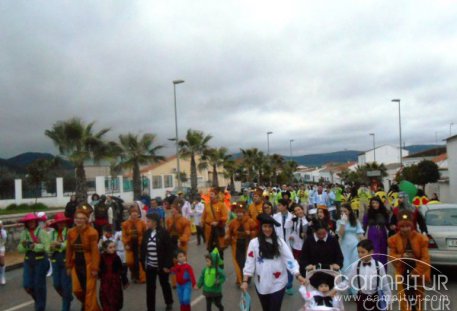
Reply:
x=268, y=259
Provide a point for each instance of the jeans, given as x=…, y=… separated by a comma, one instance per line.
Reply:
x=151, y=285
x=34, y=278
x=184, y=293
x=61, y=280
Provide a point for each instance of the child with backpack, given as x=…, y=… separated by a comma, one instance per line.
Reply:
x=211, y=279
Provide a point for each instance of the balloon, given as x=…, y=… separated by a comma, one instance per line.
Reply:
x=409, y=188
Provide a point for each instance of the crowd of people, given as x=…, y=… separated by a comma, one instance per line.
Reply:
x=276, y=235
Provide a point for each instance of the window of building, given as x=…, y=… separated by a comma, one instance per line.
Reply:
x=168, y=181
x=156, y=182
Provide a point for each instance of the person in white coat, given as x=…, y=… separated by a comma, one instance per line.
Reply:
x=283, y=231
x=268, y=260
x=298, y=233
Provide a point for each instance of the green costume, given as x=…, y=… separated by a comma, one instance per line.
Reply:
x=212, y=277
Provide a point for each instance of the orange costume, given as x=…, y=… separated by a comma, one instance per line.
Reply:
x=239, y=233
x=83, y=258
x=415, y=246
x=132, y=236
x=256, y=208
x=179, y=229
x=215, y=211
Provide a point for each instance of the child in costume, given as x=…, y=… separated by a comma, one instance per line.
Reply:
x=185, y=280
x=321, y=295
x=369, y=277
x=60, y=278
x=211, y=280
x=112, y=278
x=34, y=243
x=116, y=237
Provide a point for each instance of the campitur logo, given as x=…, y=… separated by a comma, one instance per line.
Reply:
x=408, y=290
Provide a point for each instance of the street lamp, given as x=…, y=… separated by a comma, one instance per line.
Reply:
x=290, y=143
x=268, y=142
x=450, y=128
x=374, y=146
x=176, y=131
x=399, y=126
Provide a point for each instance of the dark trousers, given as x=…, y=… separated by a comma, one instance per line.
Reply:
x=272, y=302
x=216, y=300
x=151, y=285
x=61, y=281
x=200, y=235
x=34, y=279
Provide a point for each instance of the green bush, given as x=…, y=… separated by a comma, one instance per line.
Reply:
x=12, y=206
x=24, y=206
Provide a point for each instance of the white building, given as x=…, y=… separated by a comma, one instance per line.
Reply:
x=428, y=154
x=386, y=154
x=451, y=146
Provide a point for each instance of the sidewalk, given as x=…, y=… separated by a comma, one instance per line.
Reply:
x=13, y=260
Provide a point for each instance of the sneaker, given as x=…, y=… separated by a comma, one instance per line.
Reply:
x=289, y=291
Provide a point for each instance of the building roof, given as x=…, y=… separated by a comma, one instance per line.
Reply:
x=333, y=167
x=380, y=146
x=451, y=138
x=442, y=157
x=427, y=153
x=150, y=167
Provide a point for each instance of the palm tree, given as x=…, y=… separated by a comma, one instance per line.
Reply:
x=261, y=166
x=195, y=144
x=78, y=142
x=214, y=158
x=250, y=158
x=230, y=170
x=288, y=172
x=136, y=151
x=277, y=164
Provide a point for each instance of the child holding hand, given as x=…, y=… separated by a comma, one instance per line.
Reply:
x=185, y=280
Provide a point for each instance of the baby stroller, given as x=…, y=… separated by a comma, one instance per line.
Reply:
x=315, y=300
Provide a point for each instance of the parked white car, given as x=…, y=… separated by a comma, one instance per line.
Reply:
x=441, y=220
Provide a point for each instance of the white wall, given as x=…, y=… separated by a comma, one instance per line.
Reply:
x=451, y=147
x=386, y=154
x=61, y=199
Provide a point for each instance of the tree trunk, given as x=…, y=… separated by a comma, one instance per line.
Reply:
x=215, y=179
x=193, y=176
x=81, y=184
x=232, y=183
x=136, y=182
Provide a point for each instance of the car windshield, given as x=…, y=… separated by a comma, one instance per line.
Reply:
x=441, y=217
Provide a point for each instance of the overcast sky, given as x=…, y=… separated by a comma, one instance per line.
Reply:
x=320, y=72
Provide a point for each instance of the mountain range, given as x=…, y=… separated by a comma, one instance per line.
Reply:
x=20, y=162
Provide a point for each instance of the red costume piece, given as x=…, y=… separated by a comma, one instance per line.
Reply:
x=112, y=280
x=181, y=277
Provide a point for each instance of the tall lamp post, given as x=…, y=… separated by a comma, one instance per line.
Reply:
x=290, y=145
x=399, y=126
x=268, y=142
x=450, y=128
x=176, y=132
x=374, y=146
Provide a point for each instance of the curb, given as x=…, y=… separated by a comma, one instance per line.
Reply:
x=14, y=266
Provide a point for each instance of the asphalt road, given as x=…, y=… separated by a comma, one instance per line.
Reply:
x=13, y=297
